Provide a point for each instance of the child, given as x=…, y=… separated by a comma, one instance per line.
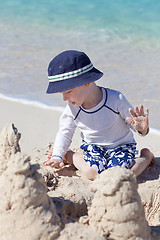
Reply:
x=104, y=117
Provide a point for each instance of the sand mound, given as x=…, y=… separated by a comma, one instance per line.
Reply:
x=9, y=144
x=116, y=209
x=26, y=210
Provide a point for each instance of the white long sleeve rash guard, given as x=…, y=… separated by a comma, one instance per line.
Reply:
x=104, y=125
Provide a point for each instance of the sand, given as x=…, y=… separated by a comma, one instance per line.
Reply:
x=40, y=202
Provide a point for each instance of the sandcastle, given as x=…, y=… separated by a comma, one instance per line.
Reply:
x=115, y=210
x=25, y=210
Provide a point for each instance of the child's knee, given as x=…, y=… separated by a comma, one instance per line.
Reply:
x=147, y=155
x=90, y=173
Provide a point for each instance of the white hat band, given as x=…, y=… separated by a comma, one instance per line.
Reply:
x=67, y=75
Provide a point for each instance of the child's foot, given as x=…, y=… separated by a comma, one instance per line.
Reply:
x=148, y=155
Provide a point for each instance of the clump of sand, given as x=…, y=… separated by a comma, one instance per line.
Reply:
x=43, y=203
x=26, y=210
x=116, y=209
x=9, y=144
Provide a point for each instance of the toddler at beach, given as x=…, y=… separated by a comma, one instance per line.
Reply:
x=104, y=116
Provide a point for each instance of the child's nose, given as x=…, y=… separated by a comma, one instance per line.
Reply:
x=65, y=98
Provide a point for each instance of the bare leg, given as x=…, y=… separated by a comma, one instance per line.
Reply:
x=78, y=161
x=142, y=162
x=75, y=158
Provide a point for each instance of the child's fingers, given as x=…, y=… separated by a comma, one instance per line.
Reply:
x=61, y=164
x=54, y=163
x=49, y=155
x=49, y=162
x=133, y=114
x=141, y=110
x=137, y=111
x=147, y=112
x=57, y=165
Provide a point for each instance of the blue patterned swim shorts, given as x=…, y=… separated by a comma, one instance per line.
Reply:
x=101, y=159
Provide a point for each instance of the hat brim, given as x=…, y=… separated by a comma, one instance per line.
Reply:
x=64, y=85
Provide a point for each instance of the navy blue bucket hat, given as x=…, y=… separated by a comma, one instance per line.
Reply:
x=70, y=69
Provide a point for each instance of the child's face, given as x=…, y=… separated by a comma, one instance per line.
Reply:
x=76, y=96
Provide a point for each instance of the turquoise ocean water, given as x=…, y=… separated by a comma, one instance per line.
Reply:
x=122, y=38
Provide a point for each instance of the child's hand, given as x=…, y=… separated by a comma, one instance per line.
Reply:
x=53, y=162
x=139, y=119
